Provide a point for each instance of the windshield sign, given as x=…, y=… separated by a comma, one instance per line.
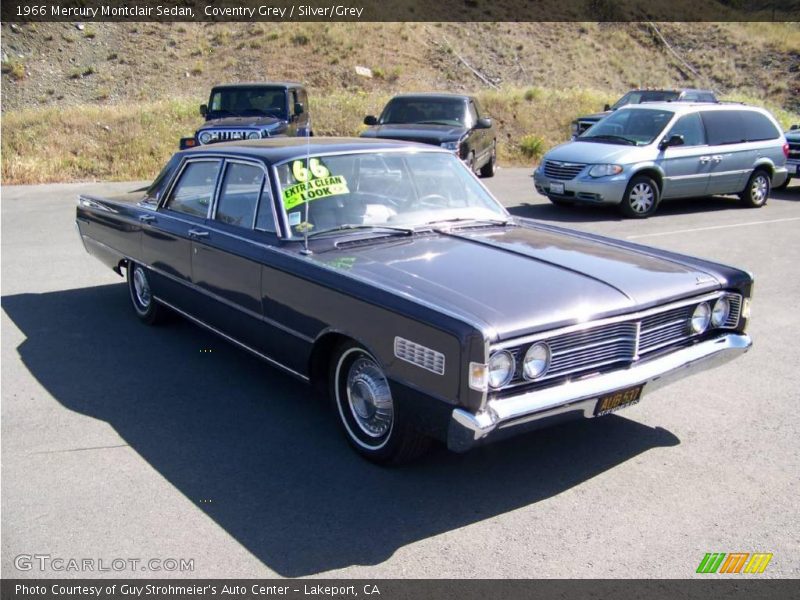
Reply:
x=381, y=190
x=637, y=127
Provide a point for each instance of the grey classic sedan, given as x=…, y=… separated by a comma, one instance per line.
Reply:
x=385, y=274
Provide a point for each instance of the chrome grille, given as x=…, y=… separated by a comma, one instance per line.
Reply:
x=419, y=355
x=619, y=342
x=559, y=170
x=226, y=135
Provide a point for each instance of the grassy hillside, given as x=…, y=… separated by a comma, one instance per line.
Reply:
x=110, y=100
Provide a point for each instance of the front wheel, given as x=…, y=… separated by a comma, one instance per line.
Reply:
x=641, y=198
x=372, y=421
x=488, y=169
x=144, y=304
x=756, y=193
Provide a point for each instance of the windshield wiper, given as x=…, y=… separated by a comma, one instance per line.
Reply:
x=609, y=137
x=376, y=228
x=469, y=221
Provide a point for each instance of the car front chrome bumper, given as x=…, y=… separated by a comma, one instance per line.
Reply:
x=578, y=398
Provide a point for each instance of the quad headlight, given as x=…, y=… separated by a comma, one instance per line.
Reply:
x=701, y=317
x=722, y=308
x=501, y=369
x=536, y=361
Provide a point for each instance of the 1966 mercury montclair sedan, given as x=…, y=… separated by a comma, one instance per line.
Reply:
x=385, y=273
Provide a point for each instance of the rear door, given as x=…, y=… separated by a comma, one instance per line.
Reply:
x=686, y=167
x=731, y=157
x=166, y=233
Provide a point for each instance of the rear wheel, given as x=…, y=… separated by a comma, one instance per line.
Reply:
x=144, y=304
x=641, y=198
x=488, y=169
x=756, y=192
x=373, y=423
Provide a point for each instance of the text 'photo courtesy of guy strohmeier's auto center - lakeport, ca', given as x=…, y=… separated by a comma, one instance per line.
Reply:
x=465, y=300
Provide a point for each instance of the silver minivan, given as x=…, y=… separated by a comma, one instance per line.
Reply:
x=641, y=154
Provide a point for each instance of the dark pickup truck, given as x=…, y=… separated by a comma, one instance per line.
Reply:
x=451, y=121
x=252, y=111
x=581, y=124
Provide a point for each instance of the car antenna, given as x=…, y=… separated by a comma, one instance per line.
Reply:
x=306, y=250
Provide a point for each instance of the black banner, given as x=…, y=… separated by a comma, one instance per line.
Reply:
x=401, y=10
x=395, y=589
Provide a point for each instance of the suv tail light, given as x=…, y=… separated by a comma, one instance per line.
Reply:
x=786, y=149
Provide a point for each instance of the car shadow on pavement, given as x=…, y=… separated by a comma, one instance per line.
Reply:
x=668, y=208
x=220, y=425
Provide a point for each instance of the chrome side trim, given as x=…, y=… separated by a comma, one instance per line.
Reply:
x=234, y=341
x=466, y=429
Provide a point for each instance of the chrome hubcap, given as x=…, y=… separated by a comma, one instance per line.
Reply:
x=141, y=288
x=758, y=191
x=369, y=398
x=642, y=198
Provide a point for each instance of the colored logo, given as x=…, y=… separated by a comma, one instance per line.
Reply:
x=735, y=562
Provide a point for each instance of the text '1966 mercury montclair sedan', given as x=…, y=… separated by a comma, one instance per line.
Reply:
x=385, y=273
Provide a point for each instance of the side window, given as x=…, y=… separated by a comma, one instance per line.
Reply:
x=193, y=192
x=292, y=101
x=691, y=128
x=238, y=196
x=758, y=127
x=724, y=127
x=265, y=220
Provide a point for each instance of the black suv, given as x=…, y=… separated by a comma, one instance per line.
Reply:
x=452, y=121
x=581, y=124
x=248, y=111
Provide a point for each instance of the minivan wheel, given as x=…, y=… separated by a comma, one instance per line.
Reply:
x=756, y=193
x=641, y=198
x=144, y=304
x=373, y=423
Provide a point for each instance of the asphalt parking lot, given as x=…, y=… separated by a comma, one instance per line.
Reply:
x=121, y=441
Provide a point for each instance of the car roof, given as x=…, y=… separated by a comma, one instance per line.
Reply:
x=433, y=96
x=684, y=107
x=279, y=149
x=257, y=84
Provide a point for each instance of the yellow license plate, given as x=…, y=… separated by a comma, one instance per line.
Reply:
x=622, y=399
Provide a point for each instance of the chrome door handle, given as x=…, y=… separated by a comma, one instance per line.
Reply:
x=198, y=233
x=704, y=159
x=717, y=158
x=147, y=218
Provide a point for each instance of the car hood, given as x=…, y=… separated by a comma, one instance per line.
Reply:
x=416, y=132
x=591, y=152
x=521, y=279
x=595, y=117
x=240, y=122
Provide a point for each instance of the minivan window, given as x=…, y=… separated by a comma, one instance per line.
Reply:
x=634, y=127
x=724, y=127
x=691, y=128
x=758, y=127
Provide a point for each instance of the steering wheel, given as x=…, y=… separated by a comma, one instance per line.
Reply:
x=432, y=201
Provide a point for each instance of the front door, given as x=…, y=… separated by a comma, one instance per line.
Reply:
x=686, y=167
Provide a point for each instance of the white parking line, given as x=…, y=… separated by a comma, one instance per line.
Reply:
x=644, y=235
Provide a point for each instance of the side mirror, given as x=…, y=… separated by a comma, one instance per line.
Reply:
x=674, y=140
x=203, y=110
x=606, y=107
x=370, y=120
x=299, y=109
x=483, y=123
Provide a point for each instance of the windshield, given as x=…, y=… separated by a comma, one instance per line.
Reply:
x=381, y=190
x=640, y=96
x=434, y=111
x=633, y=127
x=247, y=101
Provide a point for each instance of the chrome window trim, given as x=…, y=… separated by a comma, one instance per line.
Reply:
x=249, y=163
x=638, y=315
